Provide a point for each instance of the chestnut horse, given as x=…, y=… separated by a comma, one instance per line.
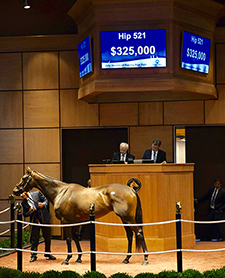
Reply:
x=72, y=202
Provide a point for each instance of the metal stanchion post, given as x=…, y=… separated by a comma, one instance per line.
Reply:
x=19, y=237
x=12, y=225
x=92, y=238
x=179, y=237
x=11, y=198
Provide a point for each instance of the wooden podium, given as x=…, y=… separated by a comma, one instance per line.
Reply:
x=162, y=186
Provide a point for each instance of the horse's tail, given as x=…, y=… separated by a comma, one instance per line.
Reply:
x=139, y=219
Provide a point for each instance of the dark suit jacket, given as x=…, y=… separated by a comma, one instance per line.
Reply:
x=41, y=214
x=161, y=156
x=219, y=201
x=116, y=156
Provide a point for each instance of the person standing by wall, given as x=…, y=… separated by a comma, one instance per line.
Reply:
x=216, y=197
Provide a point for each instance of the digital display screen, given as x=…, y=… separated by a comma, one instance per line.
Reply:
x=195, y=53
x=84, y=53
x=133, y=49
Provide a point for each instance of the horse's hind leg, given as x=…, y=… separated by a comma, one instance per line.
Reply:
x=76, y=240
x=141, y=241
x=130, y=239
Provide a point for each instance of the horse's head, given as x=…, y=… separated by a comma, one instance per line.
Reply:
x=24, y=184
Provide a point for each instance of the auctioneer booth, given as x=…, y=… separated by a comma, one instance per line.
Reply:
x=162, y=186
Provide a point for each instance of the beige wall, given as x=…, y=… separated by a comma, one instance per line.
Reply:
x=38, y=97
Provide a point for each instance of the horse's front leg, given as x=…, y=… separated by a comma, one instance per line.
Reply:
x=68, y=235
x=130, y=239
x=77, y=242
x=69, y=250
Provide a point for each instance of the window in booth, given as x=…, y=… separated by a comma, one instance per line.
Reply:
x=180, y=141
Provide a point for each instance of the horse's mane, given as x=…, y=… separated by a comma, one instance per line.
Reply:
x=49, y=177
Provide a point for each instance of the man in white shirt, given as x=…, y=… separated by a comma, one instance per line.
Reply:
x=123, y=155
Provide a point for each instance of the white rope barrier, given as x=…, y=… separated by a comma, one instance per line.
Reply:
x=112, y=224
x=6, y=231
x=8, y=249
x=54, y=225
x=52, y=253
x=145, y=253
x=113, y=253
x=4, y=210
x=89, y=252
x=131, y=225
x=94, y=222
x=203, y=222
x=212, y=250
x=7, y=222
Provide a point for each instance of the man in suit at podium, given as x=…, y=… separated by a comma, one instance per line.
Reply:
x=155, y=154
x=35, y=206
x=123, y=155
x=216, y=197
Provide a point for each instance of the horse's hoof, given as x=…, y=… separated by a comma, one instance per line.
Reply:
x=125, y=261
x=65, y=263
x=145, y=263
x=78, y=261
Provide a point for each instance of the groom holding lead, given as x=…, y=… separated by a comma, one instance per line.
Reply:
x=35, y=205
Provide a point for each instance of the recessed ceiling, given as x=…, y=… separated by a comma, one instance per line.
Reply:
x=46, y=17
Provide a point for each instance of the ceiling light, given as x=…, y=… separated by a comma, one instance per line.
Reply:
x=26, y=4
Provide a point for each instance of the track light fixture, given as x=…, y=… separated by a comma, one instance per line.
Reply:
x=26, y=4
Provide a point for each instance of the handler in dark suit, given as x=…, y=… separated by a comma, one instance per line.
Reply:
x=216, y=197
x=155, y=153
x=35, y=205
x=123, y=154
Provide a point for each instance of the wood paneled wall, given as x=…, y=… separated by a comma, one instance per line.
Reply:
x=38, y=97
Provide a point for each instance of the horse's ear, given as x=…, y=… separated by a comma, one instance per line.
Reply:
x=28, y=169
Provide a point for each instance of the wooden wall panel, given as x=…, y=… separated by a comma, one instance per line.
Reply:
x=11, y=109
x=141, y=139
x=5, y=217
x=76, y=112
x=11, y=74
x=11, y=146
x=69, y=69
x=214, y=109
x=41, y=145
x=41, y=108
x=116, y=114
x=151, y=113
x=184, y=112
x=51, y=170
x=10, y=176
x=39, y=43
x=40, y=70
x=220, y=66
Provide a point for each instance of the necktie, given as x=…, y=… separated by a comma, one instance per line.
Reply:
x=154, y=157
x=123, y=157
x=212, y=201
